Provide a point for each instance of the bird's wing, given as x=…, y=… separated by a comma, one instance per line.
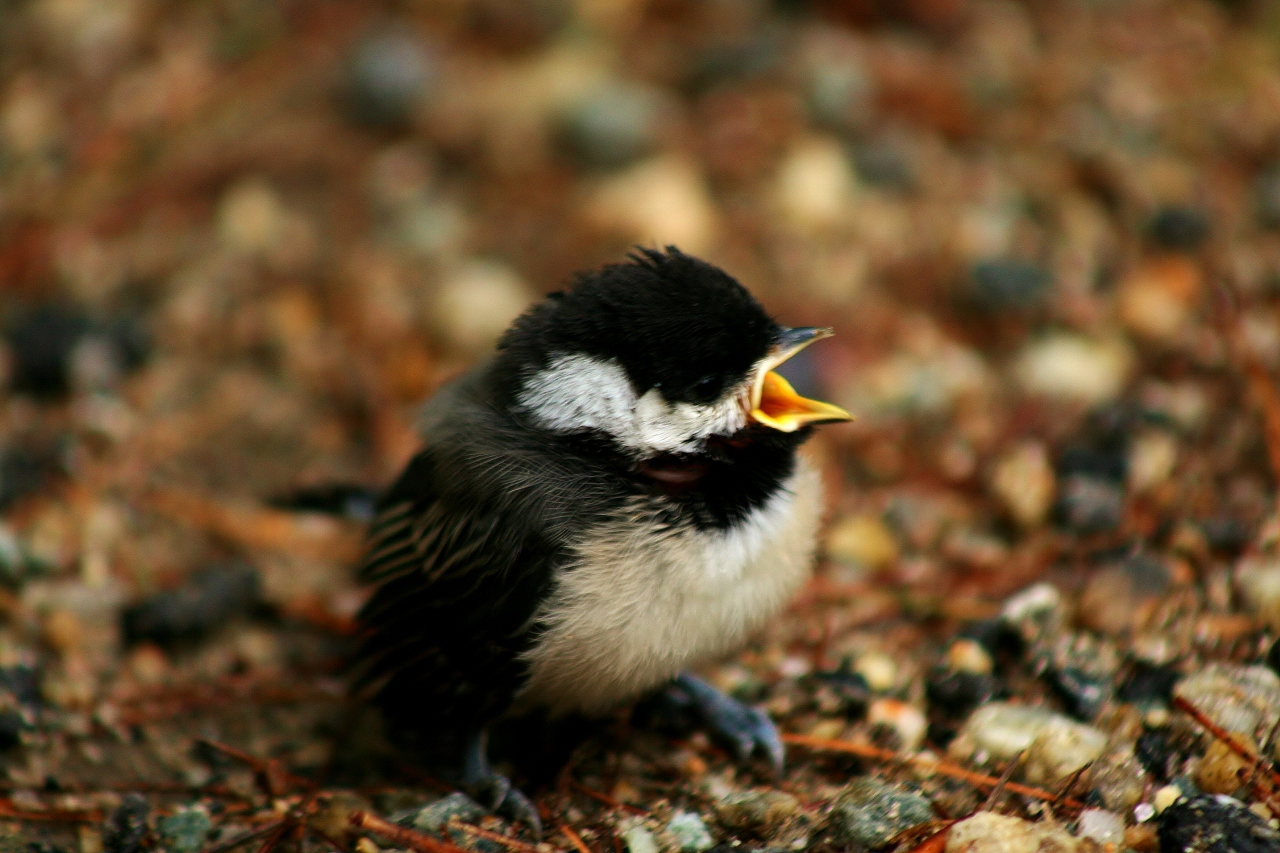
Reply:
x=457, y=577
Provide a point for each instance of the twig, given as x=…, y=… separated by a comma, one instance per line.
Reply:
x=1223, y=735
x=1074, y=780
x=575, y=839
x=606, y=799
x=9, y=811
x=268, y=772
x=935, y=843
x=495, y=837
x=403, y=836
x=945, y=768
x=274, y=838
x=1002, y=782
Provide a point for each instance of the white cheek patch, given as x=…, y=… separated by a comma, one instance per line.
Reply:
x=577, y=392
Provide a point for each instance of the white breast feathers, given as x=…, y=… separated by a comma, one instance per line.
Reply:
x=641, y=603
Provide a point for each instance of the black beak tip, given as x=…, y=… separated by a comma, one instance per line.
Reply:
x=797, y=336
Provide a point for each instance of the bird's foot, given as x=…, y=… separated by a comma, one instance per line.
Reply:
x=744, y=730
x=495, y=791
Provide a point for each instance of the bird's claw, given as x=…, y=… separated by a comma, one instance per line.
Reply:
x=507, y=801
x=494, y=790
x=746, y=731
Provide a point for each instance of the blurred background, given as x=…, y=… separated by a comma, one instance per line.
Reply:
x=241, y=241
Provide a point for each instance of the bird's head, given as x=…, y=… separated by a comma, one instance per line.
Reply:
x=660, y=355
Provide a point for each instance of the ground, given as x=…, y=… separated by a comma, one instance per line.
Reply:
x=240, y=241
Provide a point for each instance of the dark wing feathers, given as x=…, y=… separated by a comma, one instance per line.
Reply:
x=456, y=581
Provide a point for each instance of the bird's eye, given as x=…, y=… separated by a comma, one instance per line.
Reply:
x=705, y=389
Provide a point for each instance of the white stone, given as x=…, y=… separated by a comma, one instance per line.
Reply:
x=662, y=201
x=1257, y=579
x=1102, y=826
x=1074, y=367
x=815, y=184
x=476, y=303
x=1152, y=457
x=988, y=832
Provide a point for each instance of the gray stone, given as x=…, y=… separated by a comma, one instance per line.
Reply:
x=690, y=833
x=611, y=126
x=434, y=817
x=184, y=831
x=757, y=811
x=389, y=74
x=870, y=813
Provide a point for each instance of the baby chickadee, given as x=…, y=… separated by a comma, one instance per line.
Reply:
x=612, y=497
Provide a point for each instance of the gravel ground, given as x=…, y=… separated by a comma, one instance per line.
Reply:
x=241, y=240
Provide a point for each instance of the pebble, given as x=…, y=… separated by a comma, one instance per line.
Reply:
x=16, y=565
x=1148, y=684
x=1055, y=745
x=1218, y=771
x=969, y=656
x=126, y=827
x=333, y=820
x=815, y=184
x=1257, y=580
x=870, y=813
x=24, y=470
x=1036, y=612
x=639, y=839
x=883, y=162
x=1166, y=797
x=839, y=94
x=864, y=540
x=611, y=126
x=988, y=832
x=1158, y=753
x=1266, y=196
x=251, y=217
x=436, y=816
x=389, y=74
x=1059, y=750
x=1087, y=505
x=689, y=832
x=1008, y=285
x=199, y=606
x=878, y=670
x=1083, y=694
x=758, y=811
x=1155, y=301
x=1074, y=368
x=1153, y=455
x=954, y=694
x=842, y=690
x=476, y=303
x=905, y=720
x=1240, y=699
x=1118, y=781
x=660, y=201
x=1214, y=825
x=1178, y=228
x=1102, y=826
x=1023, y=481
x=184, y=831
x=55, y=348
x=1118, y=598
x=62, y=631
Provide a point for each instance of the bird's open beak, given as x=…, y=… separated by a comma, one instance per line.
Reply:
x=774, y=402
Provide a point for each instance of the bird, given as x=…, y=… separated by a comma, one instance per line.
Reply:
x=610, y=499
